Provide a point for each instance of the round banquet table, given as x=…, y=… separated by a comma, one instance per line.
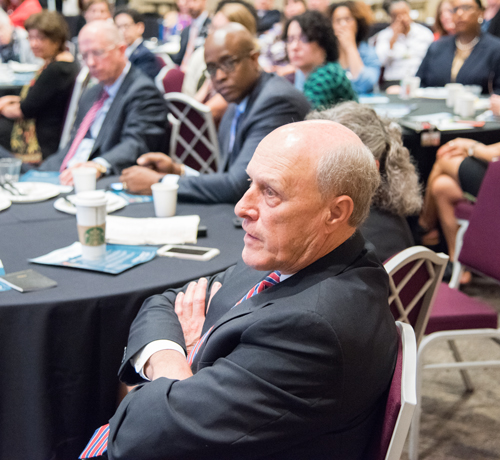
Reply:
x=60, y=348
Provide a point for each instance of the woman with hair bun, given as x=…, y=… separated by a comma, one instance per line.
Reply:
x=399, y=193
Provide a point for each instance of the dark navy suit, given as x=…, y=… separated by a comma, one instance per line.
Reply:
x=482, y=67
x=146, y=61
x=299, y=371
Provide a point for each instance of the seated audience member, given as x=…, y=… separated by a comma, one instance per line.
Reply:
x=241, y=13
x=401, y=46
x=299, y=370
x=490, y=17
x=31, y=124
x=20, y=10
x=312, y=49
x=273, y=57
x=443, y=23
x=97, y=10
x=194, y=35
x=119, y=119
x=468, y=57
x=351, y=21
x=131, y=26
x=14, y=43
x=267, y=16
x=195, y=83
x=460, y=167
x=398, y=194
x=259, y=103
x=175, y=21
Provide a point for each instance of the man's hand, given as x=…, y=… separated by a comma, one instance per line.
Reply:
x=66, y=177
x=139, y=179
x=7, y=100
x=159, y=162
x=456, y=147
x=190, y=308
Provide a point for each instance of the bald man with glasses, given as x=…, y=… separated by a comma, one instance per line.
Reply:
x=259, y=103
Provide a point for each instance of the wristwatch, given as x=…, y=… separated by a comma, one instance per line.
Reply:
x=101, y=168
x=471, y=149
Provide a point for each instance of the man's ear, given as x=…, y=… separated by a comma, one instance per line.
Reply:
x=340, y=210
x=141, y=28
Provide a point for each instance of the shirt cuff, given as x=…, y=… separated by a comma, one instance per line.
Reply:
x=103, y=162
x=139, y=360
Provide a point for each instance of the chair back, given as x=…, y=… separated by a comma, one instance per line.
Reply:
x=81, y=83
x=414, y=278
x=169, y=79
x=193, y=140
x=481, y=249
x=401, y=399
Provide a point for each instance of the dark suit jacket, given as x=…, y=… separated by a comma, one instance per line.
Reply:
x=145, y=61
x=135, y=124
x=273, y=102
x=177, y=58
x=297, y=371
x=480, y=68
x=267, y=21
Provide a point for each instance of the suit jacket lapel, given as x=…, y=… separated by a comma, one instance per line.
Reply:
x=243, y=279
x=110, y=120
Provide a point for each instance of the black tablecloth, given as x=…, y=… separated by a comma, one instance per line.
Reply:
x=60, y=348
x=426, y=156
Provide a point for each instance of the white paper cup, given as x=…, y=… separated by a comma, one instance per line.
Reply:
x=84, y=179
x=91, y=223
x=453, y=90
x=465, y=105
x=409, y=86
x=165, y=199
x=10, y=169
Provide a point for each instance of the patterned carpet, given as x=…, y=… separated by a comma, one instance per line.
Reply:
x=456, y=425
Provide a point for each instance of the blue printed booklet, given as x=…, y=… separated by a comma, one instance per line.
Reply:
x=3, y=286
x=132, y=199
x=49, y=177
x=118, y=258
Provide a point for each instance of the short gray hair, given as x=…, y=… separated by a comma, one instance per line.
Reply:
x=350, y=170
x=107, y=28
x=399, y=191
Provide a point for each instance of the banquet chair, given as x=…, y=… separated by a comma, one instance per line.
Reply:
x=486, y=227
x=169, y=79
x=193, y=140
x=81, y=83
x=415, y=275
x=387, y=443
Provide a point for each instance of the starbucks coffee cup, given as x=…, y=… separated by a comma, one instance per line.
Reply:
x=91, y=223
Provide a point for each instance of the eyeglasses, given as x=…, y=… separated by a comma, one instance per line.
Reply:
x=97, y=54
x=464, y=8
x=300, y=38
x=226, y=64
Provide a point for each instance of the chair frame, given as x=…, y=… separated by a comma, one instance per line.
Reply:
x=408, y=391
x=81, y=83
x=207, y=134
x=435, y=264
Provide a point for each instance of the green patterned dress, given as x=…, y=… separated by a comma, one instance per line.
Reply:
x=328, y=85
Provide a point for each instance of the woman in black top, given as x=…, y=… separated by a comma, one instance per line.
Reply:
x=31, y=124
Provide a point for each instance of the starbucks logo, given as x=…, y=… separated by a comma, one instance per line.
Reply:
x=94, y=236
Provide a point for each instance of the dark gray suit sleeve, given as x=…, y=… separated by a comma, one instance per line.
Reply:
x=251, y=401
x=144, y=129
x=230, y=186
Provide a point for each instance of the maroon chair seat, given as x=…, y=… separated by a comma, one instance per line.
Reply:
x=463, y=209
x=454, y=310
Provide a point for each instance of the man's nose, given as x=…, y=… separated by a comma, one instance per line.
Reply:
x=245, y=208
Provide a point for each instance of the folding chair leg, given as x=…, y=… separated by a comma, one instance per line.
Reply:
x=465, y=375
x=415, y=423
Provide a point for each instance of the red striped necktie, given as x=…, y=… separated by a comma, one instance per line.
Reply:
x=83, y=129
x=98, y=444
